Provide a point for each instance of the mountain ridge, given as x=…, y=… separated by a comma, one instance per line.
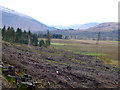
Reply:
x=16, y=19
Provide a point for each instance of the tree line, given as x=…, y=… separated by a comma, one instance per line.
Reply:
x=24, y=37
x=54, y=36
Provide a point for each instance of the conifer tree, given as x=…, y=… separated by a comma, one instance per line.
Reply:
x=29, y=37
x=19, y=35
x=25, y=37
x=7, y=36
x=3, y=32
x=98, y=38
x=48, y=41
x=41, y=43
x=35, y=40
x=12, y=34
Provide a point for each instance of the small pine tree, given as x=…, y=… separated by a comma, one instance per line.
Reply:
x=48, y=41
x=29, y=37
x=66, y=37
x=41, y=43
x=98, y=38
x=25, y=37
x=35, y=40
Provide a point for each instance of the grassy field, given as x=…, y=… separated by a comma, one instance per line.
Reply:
x=109, y=49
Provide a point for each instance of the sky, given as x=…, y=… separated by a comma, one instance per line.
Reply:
x=66, y=12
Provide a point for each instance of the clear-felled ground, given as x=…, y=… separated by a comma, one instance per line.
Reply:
x=65, y=69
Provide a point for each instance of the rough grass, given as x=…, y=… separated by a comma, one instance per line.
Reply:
x=109, y=61
x=106, y=50
x=109, y=49
x=58, y=44
x=93, y=54
x=6, y=83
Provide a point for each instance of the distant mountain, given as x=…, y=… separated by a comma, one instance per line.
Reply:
x=15, y=19
x=59, y=26
x=108, y=30
x=76, y=26
x=104, y=27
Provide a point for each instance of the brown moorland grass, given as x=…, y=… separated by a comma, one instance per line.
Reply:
x=107, y=48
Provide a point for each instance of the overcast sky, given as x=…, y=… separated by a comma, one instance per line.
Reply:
x=66, y=12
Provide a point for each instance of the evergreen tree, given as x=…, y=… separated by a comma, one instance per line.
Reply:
x=48, y=41
x=12, y=34
x=7, y=35
x=25, y=37
x=19, y=35
x=66, y=37
x=98, y=38
x=3, y=32
x=41, y=43
x=35, y=40
x=29, y=37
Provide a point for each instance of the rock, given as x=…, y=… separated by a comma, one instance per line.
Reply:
x=48, y=83
x=43, y=76
x=4, y=67
x=5, y=62
x=107, y=67
x=20, y=53
x=0, y=66
x=5, y=72
x=24, y=70
x=11, y=67
x=60, y=82
x=29, y=76
x=68, y=67
x=35, y=83
x=23, y=79
x=28, y=84
x=11, y=76
x=11, y=70
x=27, y=79
x=57, y=72
x=16, y=78
x=25, y=75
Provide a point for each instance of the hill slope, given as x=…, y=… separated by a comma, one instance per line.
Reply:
x=109, y=31
x=15, y=19
x=104, y=27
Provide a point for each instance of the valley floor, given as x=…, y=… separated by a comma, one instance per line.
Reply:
x=63, y=68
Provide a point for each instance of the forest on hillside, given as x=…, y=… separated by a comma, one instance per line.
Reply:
x=87, y=35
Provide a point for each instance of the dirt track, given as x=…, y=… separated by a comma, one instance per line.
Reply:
x=64, y=68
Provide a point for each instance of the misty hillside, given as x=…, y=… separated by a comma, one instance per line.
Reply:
x=15, y=19
x=77, y=26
